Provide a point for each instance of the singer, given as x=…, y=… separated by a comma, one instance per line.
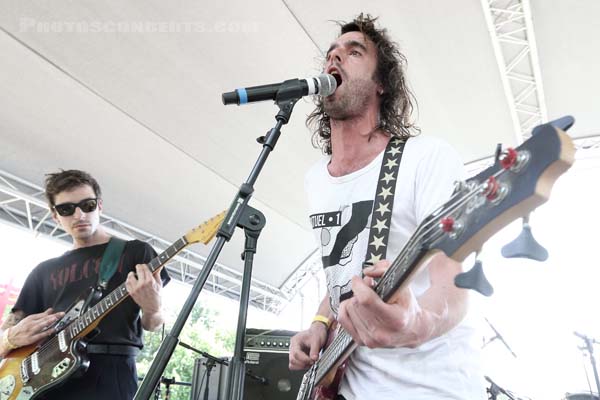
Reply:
x=420, y=345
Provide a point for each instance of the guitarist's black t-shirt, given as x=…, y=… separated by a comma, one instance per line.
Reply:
x=60, y=282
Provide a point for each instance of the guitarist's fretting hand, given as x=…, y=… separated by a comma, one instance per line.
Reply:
x=404, y=321
x=306, y=345
x=33, y=328
x=145, y=290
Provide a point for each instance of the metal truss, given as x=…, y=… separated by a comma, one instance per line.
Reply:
x=513, y=39
x=23, y=204
x=306, y=271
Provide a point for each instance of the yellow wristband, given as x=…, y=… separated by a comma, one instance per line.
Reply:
x=323, y=319
x=9, y=346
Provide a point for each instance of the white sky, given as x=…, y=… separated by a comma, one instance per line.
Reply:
x=536, y=306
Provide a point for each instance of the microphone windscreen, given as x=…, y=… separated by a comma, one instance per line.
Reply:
x=327, y=84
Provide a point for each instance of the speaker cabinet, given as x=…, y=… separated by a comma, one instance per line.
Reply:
x=281, y=383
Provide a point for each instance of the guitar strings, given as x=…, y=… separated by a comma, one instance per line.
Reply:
x=89, y=314
x=51, y=344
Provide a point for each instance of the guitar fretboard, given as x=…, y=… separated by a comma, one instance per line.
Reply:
x=109, y=301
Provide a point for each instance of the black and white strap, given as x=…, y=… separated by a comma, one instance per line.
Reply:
x=383, y=205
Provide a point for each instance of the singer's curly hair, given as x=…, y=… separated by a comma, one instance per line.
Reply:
x=396, y=100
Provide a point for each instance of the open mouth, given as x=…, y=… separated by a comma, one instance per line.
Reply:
x=336, y=74
x=338, y=79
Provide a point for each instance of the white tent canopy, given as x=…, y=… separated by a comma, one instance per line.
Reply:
x=131, y=92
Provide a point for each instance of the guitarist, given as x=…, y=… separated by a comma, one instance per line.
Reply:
x=75, y=200
x=421, y=344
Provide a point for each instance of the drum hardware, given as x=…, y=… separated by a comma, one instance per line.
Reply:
x=495, y=390
x=588, y=349
x=497, y=336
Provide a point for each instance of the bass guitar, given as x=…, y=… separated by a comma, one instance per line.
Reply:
x=518, y=182
x=30, y=371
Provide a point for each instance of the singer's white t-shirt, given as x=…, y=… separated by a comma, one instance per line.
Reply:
x=447, y=367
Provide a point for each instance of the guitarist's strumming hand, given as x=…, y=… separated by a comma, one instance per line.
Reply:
x=33, y=328
x=145, y=289
x=306, y=345
x=404, y=321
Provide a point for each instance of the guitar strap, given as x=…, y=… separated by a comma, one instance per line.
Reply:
x=381, y=219
x=110, y=261
x=108, y=267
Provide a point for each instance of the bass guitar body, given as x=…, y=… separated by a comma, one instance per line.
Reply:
x=328, y=389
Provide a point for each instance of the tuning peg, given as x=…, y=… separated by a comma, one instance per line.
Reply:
x=525, y=246
x=474, y=279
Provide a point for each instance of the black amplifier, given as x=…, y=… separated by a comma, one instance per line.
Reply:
x=268, y=340
x=266, y=356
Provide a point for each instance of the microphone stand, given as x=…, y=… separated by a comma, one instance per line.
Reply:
x=251, y=220
x=589, y=346
x=211, y=362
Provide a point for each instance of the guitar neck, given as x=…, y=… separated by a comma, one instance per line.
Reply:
x=95, y=313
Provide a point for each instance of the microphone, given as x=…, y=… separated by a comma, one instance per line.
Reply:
x=322, y=85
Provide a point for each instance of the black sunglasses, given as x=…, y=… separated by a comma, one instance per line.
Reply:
x=67, y=209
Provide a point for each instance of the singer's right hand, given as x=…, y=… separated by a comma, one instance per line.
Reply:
x=305, y=346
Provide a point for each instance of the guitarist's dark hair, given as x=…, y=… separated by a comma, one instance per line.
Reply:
x=66, y=180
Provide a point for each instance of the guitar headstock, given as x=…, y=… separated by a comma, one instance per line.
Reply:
x=519, y=182
x=205, y=231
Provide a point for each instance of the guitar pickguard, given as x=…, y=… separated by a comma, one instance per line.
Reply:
x=25, y=393
x=7, y=386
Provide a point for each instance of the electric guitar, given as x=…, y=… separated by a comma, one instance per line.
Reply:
x=518, y=182
x=28, y=372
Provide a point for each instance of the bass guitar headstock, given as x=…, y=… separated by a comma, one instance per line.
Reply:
x=518, y=182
